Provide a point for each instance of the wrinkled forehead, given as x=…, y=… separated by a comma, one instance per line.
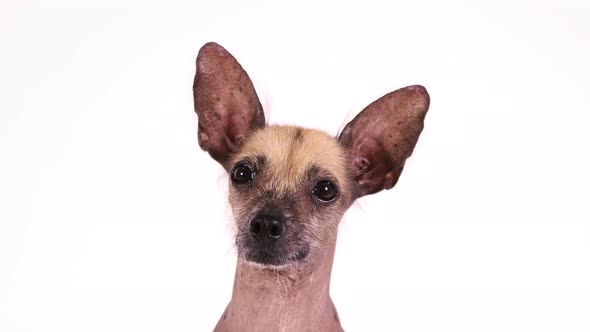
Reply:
x=290, y=152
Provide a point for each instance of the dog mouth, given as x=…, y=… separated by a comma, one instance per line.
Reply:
x=270, y=250
x=267, y=257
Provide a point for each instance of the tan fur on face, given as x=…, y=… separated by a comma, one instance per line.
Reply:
x=294, y=159
x=290, y=151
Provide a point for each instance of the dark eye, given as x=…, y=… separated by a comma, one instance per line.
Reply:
x=325, y=190
x=242, y=174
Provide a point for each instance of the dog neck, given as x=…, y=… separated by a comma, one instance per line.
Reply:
x=293, y=298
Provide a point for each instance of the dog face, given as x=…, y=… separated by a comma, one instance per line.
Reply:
x=290, y=186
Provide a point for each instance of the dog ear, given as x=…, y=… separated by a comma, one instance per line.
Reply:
x=383, y=135
x=226, y=103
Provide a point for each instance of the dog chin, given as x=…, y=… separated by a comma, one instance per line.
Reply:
x=265, y=260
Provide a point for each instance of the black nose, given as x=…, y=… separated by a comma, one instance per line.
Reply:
x=266, y=227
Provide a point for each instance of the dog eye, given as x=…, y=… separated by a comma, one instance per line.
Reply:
x=242, y=174
x=325, y=190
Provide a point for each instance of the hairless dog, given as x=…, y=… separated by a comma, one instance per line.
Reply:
x=290, y=186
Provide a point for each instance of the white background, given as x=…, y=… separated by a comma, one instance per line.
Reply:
x=112, y=218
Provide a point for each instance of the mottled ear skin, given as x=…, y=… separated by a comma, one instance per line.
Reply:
x=382, y=136
x=379, y=139
x=226, y=103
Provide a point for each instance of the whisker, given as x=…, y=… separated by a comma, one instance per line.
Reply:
x=242, y=279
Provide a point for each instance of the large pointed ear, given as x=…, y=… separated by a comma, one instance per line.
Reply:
x=225, y=101
x=383, y=135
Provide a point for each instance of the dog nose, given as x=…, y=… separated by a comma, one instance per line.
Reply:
x=267, y=227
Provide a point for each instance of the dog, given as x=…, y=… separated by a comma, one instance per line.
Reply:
x=290, y=186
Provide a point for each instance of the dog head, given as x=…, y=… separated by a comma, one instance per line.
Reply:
x=290, y=186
